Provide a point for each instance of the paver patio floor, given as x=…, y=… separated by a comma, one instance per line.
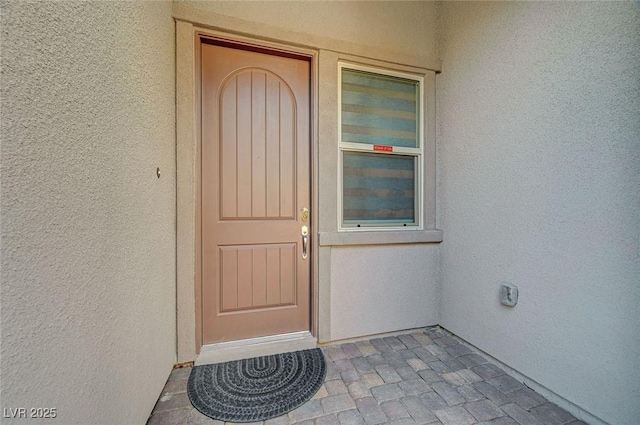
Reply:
x=424, y=377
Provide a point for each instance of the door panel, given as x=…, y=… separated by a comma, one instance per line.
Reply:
x=258, y=276
x=255, y=180
x=258, y=160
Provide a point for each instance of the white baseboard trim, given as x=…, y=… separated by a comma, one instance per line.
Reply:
x=254, y=347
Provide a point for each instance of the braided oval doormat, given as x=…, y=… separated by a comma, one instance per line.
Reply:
x=256, y=389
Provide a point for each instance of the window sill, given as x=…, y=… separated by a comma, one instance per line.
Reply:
x=379, y=237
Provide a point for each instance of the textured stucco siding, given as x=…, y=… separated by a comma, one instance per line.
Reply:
x=350, y=292
x=539, y=143
x=377, y=289
x=405, y=27
x=88, y=230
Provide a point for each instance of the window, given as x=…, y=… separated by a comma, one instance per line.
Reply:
x=381, y=149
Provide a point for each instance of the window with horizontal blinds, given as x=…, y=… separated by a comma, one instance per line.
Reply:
x=379, y=109
x=380, y=148
x=378, y=189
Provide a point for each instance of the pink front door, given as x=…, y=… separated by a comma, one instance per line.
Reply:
x=255, y=185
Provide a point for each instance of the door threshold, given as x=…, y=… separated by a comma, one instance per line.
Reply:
x=254, y=347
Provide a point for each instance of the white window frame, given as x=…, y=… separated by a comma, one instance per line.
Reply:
x=417, y=152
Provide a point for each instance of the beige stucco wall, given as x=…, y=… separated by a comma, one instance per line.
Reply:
x=397, y=28
x=376, y=289
x=539, y=142
x=400, y=33
x=88, y=230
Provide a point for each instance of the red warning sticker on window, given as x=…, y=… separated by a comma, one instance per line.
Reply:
x=383, y=148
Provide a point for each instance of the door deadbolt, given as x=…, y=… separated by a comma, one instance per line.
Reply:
x=304, y=214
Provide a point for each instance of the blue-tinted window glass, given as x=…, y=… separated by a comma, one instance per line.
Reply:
x=378, y=189
x=379, y=109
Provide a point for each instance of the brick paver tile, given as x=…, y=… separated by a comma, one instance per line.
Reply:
x=526, y=398
x=172, y=402
x=457, y=350
x=180, y=374
x=420, y=378
x=359, y=390
x=471, y=360
x=409, y=341
x=445, y=341
x=520, y=415
x=444, y=357
x=376, y=359
x=328, y=420
x=196, y=418
x=487, y=371
x=307, y=422
x=406, y=354
x=433, y=401
x=394, y=410
x=336, y=387
x=430, y=376
x=310, y=410
x=350, y=376
x=505, y=383
x=371, y=411
x=417, y=364
x=407, y=373
x=437, y=351
x=394, y=343
x=469, y=393
x=469, y=376
x=335, y=352
x=503, y=420
x=351, y=350
x=380, y=345
x=362, y=365
x=455, y=416
x=344, y=364
x=551, y=414
x=577, y=423
x=280, y=420
x=402, y=421
x=490, y=392
x=414, y=387
x=387, y=392
x=371, y=379
x=394, y=359
x=484, y=410
x=175, y=386
x=332, y=372
x=424, y=354
x=366, y=348
x=433, y=332
x=454, y=379
x=171, y=417
x=453, y=365
x=388, y=374
x=422, y=338
x=337, y=403
x=322, y=392
x=418, y=410
x=350, y=417
x=448, y=393
x=439, y=367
